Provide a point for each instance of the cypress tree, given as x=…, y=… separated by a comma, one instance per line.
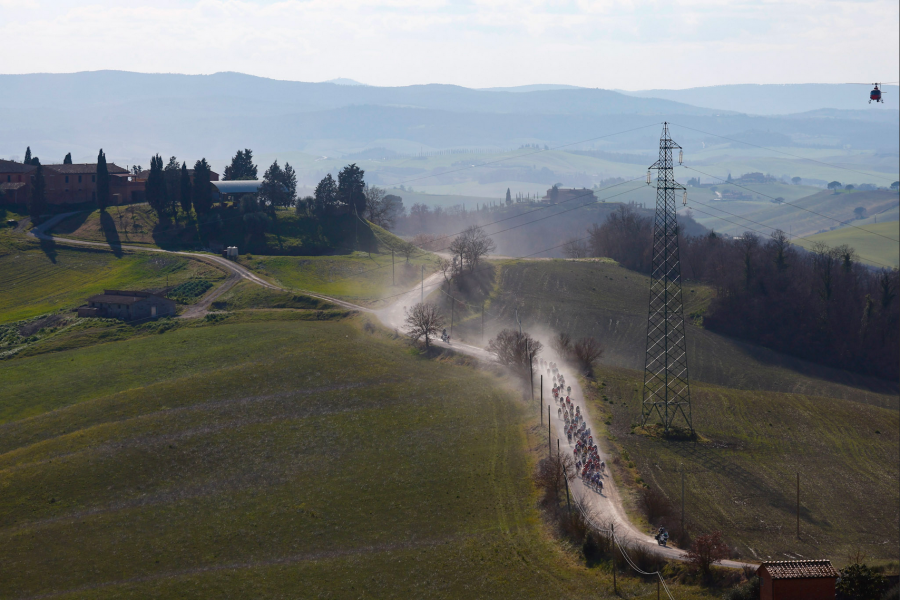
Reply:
x=185, y=188
x=201, y=195
x=27, y=160
x=156, y=186
x=102, y=181
x=37, y=203
x=508, y=197
x=68, y=159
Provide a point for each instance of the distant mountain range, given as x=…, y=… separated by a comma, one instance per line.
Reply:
x=135, y=115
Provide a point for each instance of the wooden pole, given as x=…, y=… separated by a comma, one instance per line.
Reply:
x=482, y=322
x=612, y=528
x=682, y=497
x=541, y=410
x=393, y=282
x=798, y=505
x=452, y=310
x=549, y=441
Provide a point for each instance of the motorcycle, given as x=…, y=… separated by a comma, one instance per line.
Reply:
x=662, y=539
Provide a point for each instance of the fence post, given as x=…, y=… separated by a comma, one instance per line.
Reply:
x=612, y=528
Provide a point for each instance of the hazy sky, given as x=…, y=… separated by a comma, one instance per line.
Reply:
x=626, y=44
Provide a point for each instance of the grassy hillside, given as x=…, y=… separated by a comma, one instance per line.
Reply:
x=836, y=207
x=871, y=248
x=287, y=234
x=360, y=277
x=265, y=455
x=741, y=479
x=40, y=277
x=600, y=298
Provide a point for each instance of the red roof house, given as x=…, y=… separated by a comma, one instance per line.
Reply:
x=797, y=580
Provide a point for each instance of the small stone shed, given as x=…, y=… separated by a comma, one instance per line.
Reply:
x=127, y=305
x=797, y=580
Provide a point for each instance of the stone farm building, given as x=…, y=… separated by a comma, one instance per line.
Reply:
x=72, y=184
x=797, y=580
x=127, y=305
x=566, y=194
x=68, y=184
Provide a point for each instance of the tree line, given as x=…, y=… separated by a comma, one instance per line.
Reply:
x=820, y=304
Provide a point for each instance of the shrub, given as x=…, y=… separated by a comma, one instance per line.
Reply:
x=706, y=550
x=654, y=504
x=749, y=590
x=859, y=582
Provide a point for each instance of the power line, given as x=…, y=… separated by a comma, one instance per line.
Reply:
x=770, y=227
x=521, y=155
x=783, y=152
x=848, y=223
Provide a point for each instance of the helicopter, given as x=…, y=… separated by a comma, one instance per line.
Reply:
x=875, y=95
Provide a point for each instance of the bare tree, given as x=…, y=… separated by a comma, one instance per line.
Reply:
x=423, y=320
x=562, y=344
x=472, y=245
x=514, y=349
x=551, y=476
x=587, y=351
x=448, y=268
x=576, y=248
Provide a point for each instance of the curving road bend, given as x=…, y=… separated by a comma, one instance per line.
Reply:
x=603, y=509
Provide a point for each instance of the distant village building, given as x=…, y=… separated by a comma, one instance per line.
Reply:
x=559, y=195
x=68, y=184
x=797, y=580
x=127, y=305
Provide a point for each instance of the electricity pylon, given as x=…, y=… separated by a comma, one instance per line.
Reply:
x=667, y=393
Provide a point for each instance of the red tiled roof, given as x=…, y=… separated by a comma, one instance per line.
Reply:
x=85, y=168
x=799, y=569
x=11, y=166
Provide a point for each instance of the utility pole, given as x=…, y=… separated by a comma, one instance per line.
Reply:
x=549, y=443
x=530, y=368
x=423, y=284
x=393, y=282
x=612, y=529
x=452, y=310
x=798, y=505
x=666, y=393
x=682, y=497
x=482, y=322
x=541, y=409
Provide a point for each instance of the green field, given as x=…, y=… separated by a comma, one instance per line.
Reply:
x=602, y=299
x=266, y=456
x=362, y=278
x=39, y=277
x=872, y=249
x=742, y=478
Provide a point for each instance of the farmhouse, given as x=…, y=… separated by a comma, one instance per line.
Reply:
x=127, y=305
x=797, y=580
x=558, y=195
x=68, y=183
